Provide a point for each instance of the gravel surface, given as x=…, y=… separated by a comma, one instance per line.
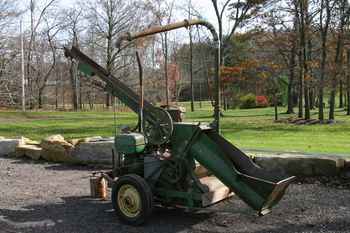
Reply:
x=45, y=197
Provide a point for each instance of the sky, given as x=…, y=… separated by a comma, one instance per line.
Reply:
x=204, y=7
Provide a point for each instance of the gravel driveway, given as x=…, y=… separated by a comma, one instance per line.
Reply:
x=46, y=197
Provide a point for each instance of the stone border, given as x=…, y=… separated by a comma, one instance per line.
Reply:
x=98, y=150
x=302, y=165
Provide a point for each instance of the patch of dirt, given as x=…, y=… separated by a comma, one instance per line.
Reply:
x=54, y=198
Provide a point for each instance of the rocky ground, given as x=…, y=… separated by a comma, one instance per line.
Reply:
x=46, y=197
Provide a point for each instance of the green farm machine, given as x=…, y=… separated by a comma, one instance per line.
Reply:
x=170, y=163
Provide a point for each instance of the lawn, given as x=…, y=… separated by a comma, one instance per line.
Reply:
x=248, y=129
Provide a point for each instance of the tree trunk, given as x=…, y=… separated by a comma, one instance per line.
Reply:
x=338, y=60
x=332, y=101
x=40, y=98
x=56, y=89
x=290, y=109
x=309, y=69
x=200, y=94
x=312, y=98
x=73, y=73
x=108, y=100
x=81, y=104
x=348, y=96
x=324, y=35
x=301, y=92
x=307, y=101
x=276, y=107
x=303, y=66
x=348, y=85
x=341, y=102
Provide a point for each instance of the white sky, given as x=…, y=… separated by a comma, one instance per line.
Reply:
x=204, y=7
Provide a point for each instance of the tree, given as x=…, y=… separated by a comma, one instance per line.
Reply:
x=348, y=83
x=8, y=12
x=34, y=25
x=239, y=12
x=325, y=18
x=8, y=53
x=163, y=14
x=45, y=70
x=304, y=22
x=284, y=40
x=191, y=12
x=343, y=10
x=73, y=17
x=109, y=19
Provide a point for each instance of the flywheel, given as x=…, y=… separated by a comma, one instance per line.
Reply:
x=158, y=126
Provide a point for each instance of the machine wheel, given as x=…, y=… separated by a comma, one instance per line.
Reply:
x=158, y=126
x=132, y=199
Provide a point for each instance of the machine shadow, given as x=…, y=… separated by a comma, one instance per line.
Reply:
x=85, y=215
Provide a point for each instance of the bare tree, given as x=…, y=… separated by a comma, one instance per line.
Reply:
x=34, y=25
x=239, y=12
x=163, y=14
x=8, y=11
x=219, y=16
x=109, y=19
x=343, y=10
x=8, y=53
x=324, y=21
x=73, y=19
x=348, y=83
x=284, y=39
x=303, y=18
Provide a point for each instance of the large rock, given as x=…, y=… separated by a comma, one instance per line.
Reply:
x=28, y=141
x=30, y=151
x=94, y=152
x=8, y=146
x=302, y=165
x=56, y=149
x=76, y=141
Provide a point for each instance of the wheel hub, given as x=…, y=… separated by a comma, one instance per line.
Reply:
x=129, y=201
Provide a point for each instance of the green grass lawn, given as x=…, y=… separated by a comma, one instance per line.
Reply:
x=247, y=129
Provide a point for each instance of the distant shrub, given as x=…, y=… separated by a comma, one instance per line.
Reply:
x=247, y=101
x=262, y=101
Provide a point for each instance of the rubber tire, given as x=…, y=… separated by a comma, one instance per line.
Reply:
x=146, y=195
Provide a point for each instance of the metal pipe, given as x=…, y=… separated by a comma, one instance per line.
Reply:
x=186, y=23
x=141, y=91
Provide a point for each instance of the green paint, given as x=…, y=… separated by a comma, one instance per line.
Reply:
x=255, y=189
x=130, y=143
